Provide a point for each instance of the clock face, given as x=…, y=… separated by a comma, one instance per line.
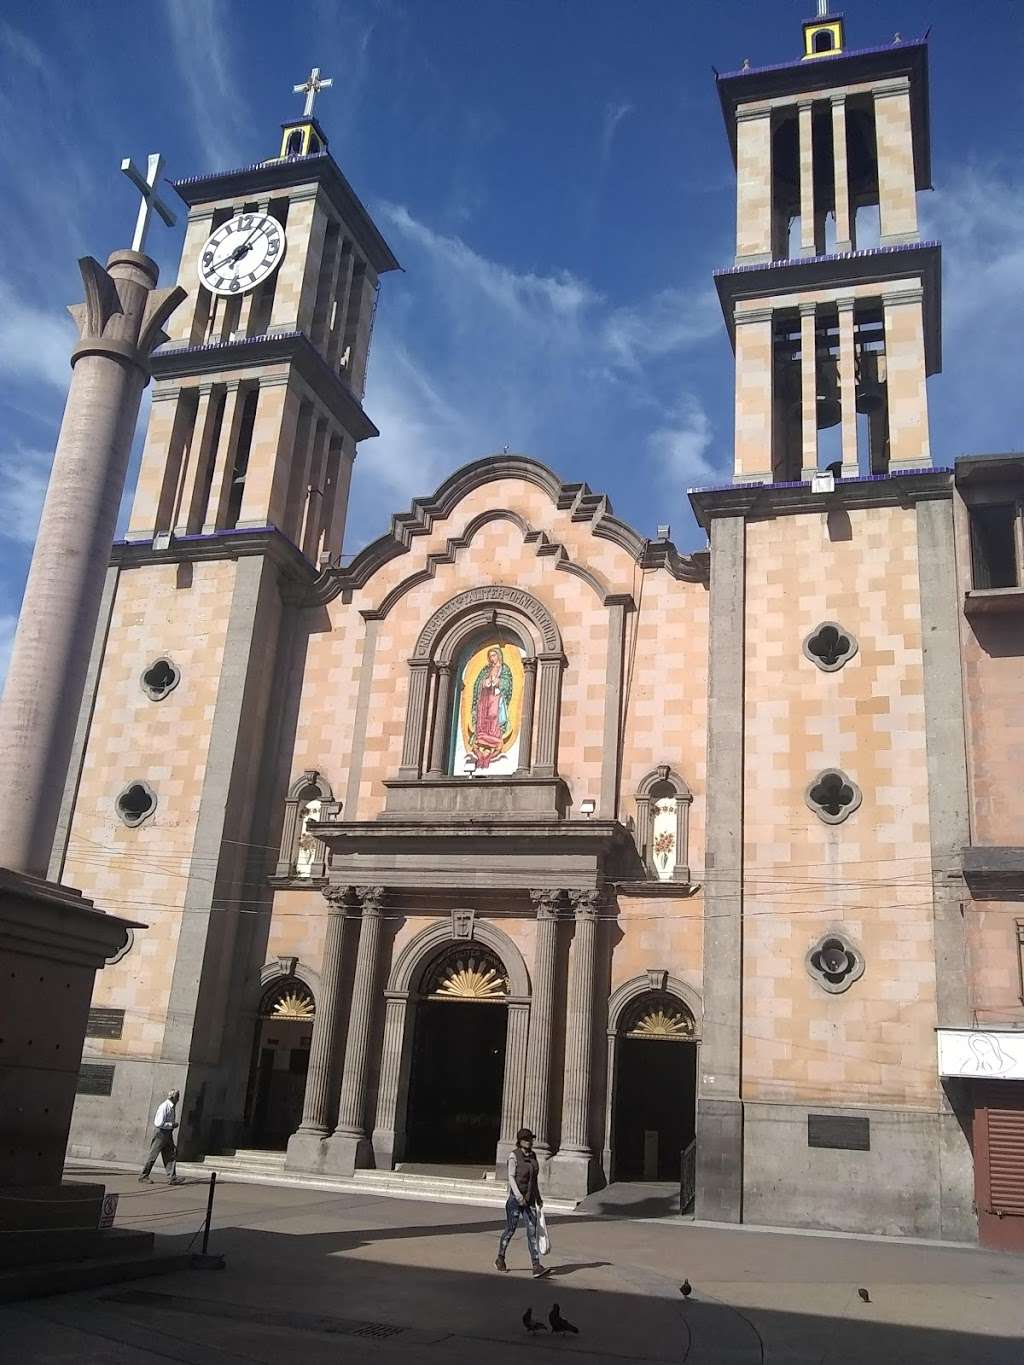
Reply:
x=241, y=254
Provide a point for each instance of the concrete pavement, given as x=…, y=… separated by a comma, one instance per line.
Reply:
x=319, y=1276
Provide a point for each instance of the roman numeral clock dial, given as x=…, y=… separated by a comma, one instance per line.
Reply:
x=241, y=254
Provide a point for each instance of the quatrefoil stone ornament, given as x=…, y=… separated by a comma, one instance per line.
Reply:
x=829, y=646
x=833, y=796
x=834, y=963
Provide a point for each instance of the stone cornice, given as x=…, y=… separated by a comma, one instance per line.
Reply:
x=260, y=540
x=759, y=500
x=577, y=499
x=188, y=362
x=281, y=173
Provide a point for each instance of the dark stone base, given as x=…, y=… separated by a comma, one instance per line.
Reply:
x=719, y=1197
x=340, y=1154
x=571, y=1175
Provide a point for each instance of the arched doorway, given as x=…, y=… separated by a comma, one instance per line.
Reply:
x=280, y=1062
x=458, y=1058
x=655, y=1090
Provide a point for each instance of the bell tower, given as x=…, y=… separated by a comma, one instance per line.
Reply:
x=257, y=407
x=834, y=337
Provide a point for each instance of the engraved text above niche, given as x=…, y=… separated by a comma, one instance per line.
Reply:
x=493, y=594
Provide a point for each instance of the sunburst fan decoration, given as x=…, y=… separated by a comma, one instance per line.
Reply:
x=293, y=1005
x=663, y=1021
x=470, y=979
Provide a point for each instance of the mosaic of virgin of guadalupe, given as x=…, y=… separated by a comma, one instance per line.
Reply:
x=492, y=693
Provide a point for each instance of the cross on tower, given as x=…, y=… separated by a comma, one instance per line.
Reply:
x=146, y=186
x=311, y=87
x=822, y=9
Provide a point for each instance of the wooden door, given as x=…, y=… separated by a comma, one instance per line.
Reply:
x=999, y=1164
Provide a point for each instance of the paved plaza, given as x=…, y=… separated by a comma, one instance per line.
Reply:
x=320, y=1276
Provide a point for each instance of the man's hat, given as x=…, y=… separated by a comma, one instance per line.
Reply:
x=525, y=1133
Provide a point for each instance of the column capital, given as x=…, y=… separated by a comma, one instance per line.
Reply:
x=585, y=904
x=548, y=902
x=894, y=297
x=747, y=112
x=421, y=663
x=899, y=85
x=444, y=670
x=371, y=898
x=340, y=899
x=808, y=308
x=805, y=103
x=753, y=314
x=530, y=664
x=837, y=100
x=846, y=305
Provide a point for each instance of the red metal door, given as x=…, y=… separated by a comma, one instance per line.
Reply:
x=999, y=1164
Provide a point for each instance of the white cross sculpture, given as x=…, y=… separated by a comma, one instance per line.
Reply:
x=146, y=186
x=311, y=87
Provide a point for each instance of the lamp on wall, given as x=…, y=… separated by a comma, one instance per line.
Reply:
x=587, y=808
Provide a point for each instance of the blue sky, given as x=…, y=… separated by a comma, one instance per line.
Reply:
x=555, y=178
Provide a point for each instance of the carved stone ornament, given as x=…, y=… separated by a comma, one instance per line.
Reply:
x=160, y=678
x=547, y=903
x=341, y=899
x=371, y=898
x=585, y=904
x=484, y=596
x=829, y=646
x=834, y=963
x=462, y=923
x=135, y=803
x=833, y=796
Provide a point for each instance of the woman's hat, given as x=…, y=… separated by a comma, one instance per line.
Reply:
x=523, y=1134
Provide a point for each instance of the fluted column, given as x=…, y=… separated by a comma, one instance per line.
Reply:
x=442, y=714
x=526, y=724
x=545, y=762
x=572, y=1170
x=515, y=1075
x=389, y=1129
x=415, y=718
x=316, y=1104
x=352, y=1105
x=537, y=1100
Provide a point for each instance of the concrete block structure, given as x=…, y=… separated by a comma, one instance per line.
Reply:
x=522, y=817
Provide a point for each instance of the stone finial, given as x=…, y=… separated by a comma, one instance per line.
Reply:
x=123, y=314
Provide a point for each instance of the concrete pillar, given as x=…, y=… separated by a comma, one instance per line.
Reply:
x=808, y=392
x=526, y=724
x=415, y=718
x=753, y=185
x=350, y=1145
x=848, y=388
x=805, y=115
x=894, y=141
x=442, y=716
x=303, y=1145
x=906, y=379
x=393, y=1089
x=573, y=1170
x=537, y=1100
x=224, y=459
x=119, y=324
x=754, y=400
x=844, y=222
x=512, y=1098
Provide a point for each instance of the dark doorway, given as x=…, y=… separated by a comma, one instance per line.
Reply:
x=655, y=1107
x=280, y=1062
x=458, y=1073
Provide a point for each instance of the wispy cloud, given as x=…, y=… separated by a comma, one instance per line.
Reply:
x=681, y=447
x=34, y=342
x=614, y=112
x=23, y=477
x=200, y=37
x=7, y=628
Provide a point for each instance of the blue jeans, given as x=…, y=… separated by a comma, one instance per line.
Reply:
x=513, y=1212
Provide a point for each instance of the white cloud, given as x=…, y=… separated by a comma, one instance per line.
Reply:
x=23, y=478
x=668, y=321
x=615, y=111
x=7, y=627
x=35, y=344
x=201, y=38
x=681, y=447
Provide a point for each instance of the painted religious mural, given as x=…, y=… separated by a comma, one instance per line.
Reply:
x=489, y=708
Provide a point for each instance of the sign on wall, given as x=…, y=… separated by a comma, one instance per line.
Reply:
x=986, y=1053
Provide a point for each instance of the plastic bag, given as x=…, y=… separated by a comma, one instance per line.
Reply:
x=543, y=1236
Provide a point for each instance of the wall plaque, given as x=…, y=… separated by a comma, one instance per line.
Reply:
x=104, y=1023
x=95, y=1078
x=846, y=1132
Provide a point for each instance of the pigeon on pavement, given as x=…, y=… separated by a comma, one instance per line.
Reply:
x=686, y=1289
x=530, y=1324
x=864, y=1295
x=560, y=1324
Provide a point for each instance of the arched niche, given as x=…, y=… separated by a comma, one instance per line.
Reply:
x=661, y=785
x=303, y=858
x=421, y=950
x=511, y=613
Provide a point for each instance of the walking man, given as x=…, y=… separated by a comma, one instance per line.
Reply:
x=164, y=1124
x=524, y=1201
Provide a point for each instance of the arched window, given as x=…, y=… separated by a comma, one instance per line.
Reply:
x=304, y=857
x=663, y=824
x=487, y=706
x=823, y=41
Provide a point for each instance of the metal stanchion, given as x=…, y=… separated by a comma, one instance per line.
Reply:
x=203, y=1260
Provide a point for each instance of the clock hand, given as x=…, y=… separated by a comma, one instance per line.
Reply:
x=236, y=253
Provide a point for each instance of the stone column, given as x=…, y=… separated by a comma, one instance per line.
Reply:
x=216, y=509
x=349, y=1145
x=537, y=1101
x=894, y=143
x=304, y=1144
x=808, y=392
x=526, y=726
x=389, y=1129
x=906, y=379
x=573, y=1170
x=845, y=235
x=805, y=115
x=442, y=716
x=545, y=762
x=754, y=458
x=848, y=388
x=119, y=324
x=415, y=718
x=512, y=1097
x=753, y=185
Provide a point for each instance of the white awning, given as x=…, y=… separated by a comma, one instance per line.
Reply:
x=982, y=1054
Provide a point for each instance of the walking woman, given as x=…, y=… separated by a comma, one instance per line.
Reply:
x=524, y=1201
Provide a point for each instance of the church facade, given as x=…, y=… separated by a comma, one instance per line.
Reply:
x=521, y=817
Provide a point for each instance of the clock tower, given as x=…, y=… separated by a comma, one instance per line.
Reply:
x=257, y=407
